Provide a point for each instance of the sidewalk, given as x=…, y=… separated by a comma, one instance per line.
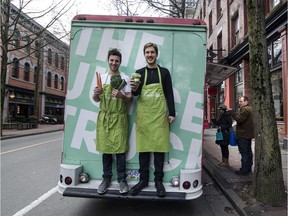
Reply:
x=45, y=128
x=232, y=185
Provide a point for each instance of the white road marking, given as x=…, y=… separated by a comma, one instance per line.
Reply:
x=36, y=202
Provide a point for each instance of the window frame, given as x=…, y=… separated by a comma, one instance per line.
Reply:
x=49, y=79
x=26, y=76
x=15, y=68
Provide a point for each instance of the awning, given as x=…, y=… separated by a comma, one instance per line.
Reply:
x=216, y=73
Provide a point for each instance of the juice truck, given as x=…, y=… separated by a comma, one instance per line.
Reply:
x=182, y=49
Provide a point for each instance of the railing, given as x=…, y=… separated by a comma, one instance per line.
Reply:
x=20, y=124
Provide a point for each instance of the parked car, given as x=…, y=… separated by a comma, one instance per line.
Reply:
x=48, y=120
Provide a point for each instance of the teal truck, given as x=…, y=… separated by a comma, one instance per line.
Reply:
x=182, y=49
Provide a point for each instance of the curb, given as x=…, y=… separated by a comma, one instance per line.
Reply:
x=226, y=189
x=5, y=137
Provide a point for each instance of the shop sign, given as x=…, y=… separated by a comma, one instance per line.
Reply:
x=212, y=91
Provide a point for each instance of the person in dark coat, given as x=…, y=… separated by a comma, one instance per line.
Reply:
x=244, y=135
x=224, y=123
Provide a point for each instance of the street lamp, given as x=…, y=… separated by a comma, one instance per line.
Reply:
x=12, y=95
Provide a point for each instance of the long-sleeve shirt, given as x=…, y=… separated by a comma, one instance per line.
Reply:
x=152, y=77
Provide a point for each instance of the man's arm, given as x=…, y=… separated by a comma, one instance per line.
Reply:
x=241, y=116
x=168, y=92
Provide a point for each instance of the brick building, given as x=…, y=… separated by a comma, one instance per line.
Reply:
x=51, y=64
x=228, y=55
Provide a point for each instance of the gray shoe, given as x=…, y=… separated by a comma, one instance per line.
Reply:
x=103, y=187
x=123, y=187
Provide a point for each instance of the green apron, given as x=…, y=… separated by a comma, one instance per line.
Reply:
x=112, y=124
x=152, y=125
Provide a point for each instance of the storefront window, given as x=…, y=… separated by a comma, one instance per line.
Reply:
x=238, y=88
x=276, y=80
x=273, y=3
x=275, y=53
x=221, y=93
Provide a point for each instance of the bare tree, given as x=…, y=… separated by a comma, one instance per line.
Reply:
x=268, y=184
x=172, y=8
x=130, y=7
x=11, y=36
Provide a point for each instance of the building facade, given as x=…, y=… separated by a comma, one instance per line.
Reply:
x=227, y=45
x=36, y=72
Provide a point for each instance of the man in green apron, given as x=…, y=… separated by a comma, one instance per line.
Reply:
x=112, y=123
x=155, y=95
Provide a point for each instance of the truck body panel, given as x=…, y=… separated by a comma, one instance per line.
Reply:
x=182, y=49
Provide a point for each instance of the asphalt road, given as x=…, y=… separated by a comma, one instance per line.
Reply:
x=29, y=175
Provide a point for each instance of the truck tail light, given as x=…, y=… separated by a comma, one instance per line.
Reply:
x=68, y=180
x=186, y=185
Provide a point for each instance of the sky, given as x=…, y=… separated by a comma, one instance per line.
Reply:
x=99, y=7
x=96, y=7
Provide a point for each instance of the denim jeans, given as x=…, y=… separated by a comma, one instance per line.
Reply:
x=120, y=166
x=144, y=160
x=245, y=149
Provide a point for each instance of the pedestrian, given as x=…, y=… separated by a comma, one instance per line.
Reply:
x=155, y=95
x=244, y=135
x=224, y=123
x=112, y=119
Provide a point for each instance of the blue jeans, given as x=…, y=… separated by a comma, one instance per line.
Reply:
x=244, y=146
x=120, y=166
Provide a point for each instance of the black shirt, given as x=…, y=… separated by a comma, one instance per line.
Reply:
x=152, y=77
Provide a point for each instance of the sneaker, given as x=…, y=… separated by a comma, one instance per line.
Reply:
x=103, y=187
x=138, y=187
x=123, y=187
x=161, y=192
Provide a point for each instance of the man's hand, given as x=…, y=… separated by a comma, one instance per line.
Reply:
x=127, y=96
x=133, y=86
x=171, y=119
x=97, y=90
x=116, y=93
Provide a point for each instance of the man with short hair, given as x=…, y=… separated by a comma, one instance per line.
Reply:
x=244, y=135
x=112, y=123
x=153, y=118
